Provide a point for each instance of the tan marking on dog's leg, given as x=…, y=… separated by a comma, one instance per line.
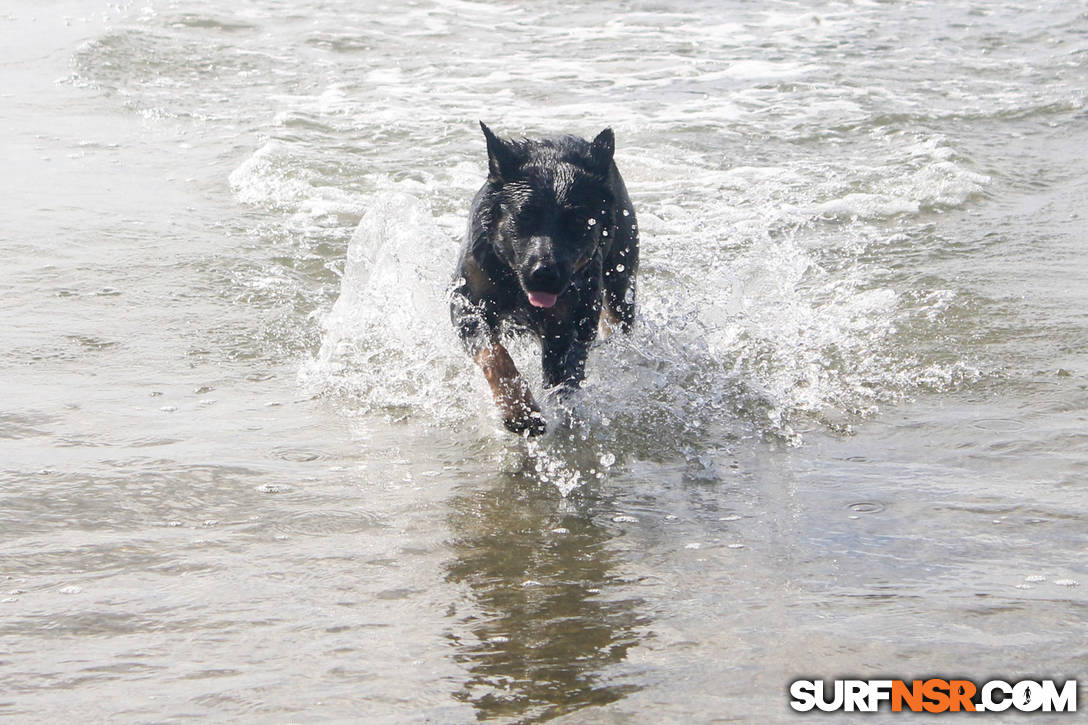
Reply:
x=608, y=324
x=520, y=413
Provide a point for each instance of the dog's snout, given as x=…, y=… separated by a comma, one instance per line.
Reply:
x=543, y=276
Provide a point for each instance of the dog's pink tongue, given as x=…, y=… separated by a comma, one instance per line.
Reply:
x=542, y=299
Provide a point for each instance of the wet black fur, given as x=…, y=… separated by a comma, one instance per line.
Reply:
x=554, y=204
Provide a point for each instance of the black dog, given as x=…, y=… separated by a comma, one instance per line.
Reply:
x=552, y=236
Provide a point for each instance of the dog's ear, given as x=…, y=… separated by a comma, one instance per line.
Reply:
x=501, y=156
x=602, y=149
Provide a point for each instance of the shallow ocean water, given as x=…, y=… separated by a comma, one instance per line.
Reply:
x=247, y=474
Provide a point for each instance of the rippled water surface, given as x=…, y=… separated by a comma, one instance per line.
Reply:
x=248, y=475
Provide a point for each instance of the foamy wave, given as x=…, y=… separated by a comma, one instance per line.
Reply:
x=275, y=177
x=934, y=182
x=866, y=206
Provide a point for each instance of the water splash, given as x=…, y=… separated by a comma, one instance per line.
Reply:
x=745, y=345
x=387, y=343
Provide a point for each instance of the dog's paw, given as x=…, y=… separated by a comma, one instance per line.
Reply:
x=530, y=423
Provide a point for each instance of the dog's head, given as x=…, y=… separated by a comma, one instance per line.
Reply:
x=549, y=207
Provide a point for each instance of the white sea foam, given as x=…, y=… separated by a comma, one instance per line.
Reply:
x=274, y=177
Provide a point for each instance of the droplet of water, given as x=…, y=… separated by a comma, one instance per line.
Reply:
x=71, y=590
x=591, y=222
x=626, y=212
x=607, y=459
x=620, y=268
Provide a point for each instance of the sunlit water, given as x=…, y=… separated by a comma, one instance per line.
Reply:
x=248, y=475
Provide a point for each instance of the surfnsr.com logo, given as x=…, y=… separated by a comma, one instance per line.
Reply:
x=933, y=695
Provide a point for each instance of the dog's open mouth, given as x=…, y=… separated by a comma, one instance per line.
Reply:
x=542, y=299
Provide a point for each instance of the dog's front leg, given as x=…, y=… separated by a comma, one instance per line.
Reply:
x=564, y=366
x=563, y=359
x=477, y=326
x=565, y=344
x=520, y=413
